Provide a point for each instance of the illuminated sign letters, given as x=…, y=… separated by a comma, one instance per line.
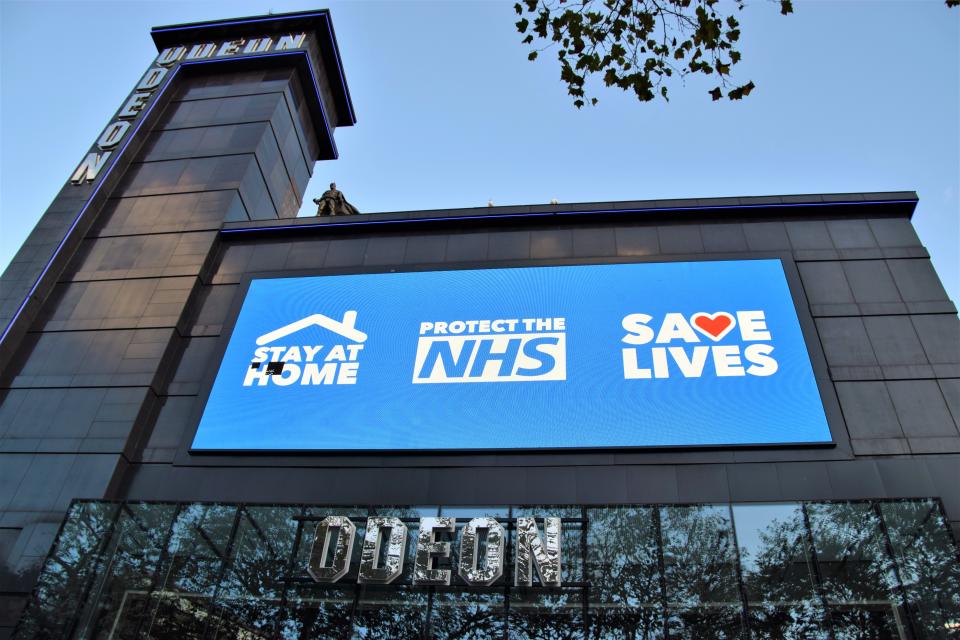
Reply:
x=89, y=168
x=611, y=355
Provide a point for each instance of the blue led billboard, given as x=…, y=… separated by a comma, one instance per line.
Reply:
x=612, y=355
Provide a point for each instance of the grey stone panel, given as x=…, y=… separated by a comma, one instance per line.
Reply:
x=868, y=410
x=385, y=250
x=93, y=358
x=921, y=408
x=601, y=485
x=917, y=281
x=188, y=175
x=754, y=482
x=256, y=196
x=855, y=480
x=70, y=419
x=894, y=232
x=652, y=484
x=881, y=447
x=550, y=243
x=144, y=256
x=637, y=241
x=246, y=83
x=283, y=192
x=703, y=483
x=766, y=236
x=871, y=282
x=346, y=252
x=307, y=254
x=680, y=239
x=826, y=286
x=427, y=249
x=467, y=247
x=117, y=304
x=176, y=414
x=905, y=478
x=299, y=167
x=894, y=340
x=851, y=234
x=214, y=303
x=594, y=242
x=169, y=213
x=951, y=393
x=809, y=235
x=183, y=114
x=509, y=245
x=198, y=358
x=940, y=337
x=13, y=469
x=723, y=237
x=205, y=141
x=845, y=342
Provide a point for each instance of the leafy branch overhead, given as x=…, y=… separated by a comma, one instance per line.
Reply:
x=639, y=45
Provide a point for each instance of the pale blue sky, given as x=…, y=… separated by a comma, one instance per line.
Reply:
x=851, y=96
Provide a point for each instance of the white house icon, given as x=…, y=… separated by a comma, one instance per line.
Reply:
x=346, y=328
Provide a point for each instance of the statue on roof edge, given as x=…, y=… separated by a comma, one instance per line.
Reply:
x=334, y=203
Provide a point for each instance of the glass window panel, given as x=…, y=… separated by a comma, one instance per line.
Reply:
x=319, y=610
x=470, y=614
x=196, y=557
x=703, y=597
x=550, y=613
x=390, y=613
x=926, y=559
x=248, y=600
x=118, y=603
x=546, y=614
x=63, y=584
x=859, y=582
x=779, y=576
x=623, y=569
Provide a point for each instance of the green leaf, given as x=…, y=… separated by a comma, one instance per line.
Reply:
x=593, y=101
x=715, y=93
x=518, y=9
x=578, y=103
x=786, y=7
x=522, y=25
x=532, y=56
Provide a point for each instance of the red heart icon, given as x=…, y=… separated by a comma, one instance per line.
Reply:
x=713, y=325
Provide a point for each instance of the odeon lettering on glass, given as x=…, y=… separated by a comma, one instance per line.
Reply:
x=385, y=545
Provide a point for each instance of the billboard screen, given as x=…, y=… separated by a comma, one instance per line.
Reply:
x=611, y=355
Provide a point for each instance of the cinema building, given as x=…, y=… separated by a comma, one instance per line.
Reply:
x=716, y=418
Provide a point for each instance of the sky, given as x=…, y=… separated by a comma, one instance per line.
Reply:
x=851, y=96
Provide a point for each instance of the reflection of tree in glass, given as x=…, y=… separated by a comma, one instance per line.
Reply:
x=626, y=594
x=556, y=613
x=778, y=573
x=928, y=565
x=67, y=572
x=321, y=611
x=859, y=580
x=700, y=571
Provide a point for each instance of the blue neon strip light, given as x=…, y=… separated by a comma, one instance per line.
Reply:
x=559, y=213
x=119, y=154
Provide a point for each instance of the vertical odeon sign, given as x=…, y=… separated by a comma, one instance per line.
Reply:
x=146, y=91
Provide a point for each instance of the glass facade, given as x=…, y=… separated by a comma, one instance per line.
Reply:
x=839, y=570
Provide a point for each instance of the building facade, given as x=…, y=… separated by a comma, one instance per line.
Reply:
x=118, y=519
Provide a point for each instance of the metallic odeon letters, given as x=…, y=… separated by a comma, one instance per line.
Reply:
x=330, y=556
x=115, y=132
x=320, y=569
x=396, y=533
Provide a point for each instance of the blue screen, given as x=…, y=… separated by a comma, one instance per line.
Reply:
x=615, y=355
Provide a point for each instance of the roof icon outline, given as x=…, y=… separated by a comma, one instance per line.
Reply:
x=346, y=328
